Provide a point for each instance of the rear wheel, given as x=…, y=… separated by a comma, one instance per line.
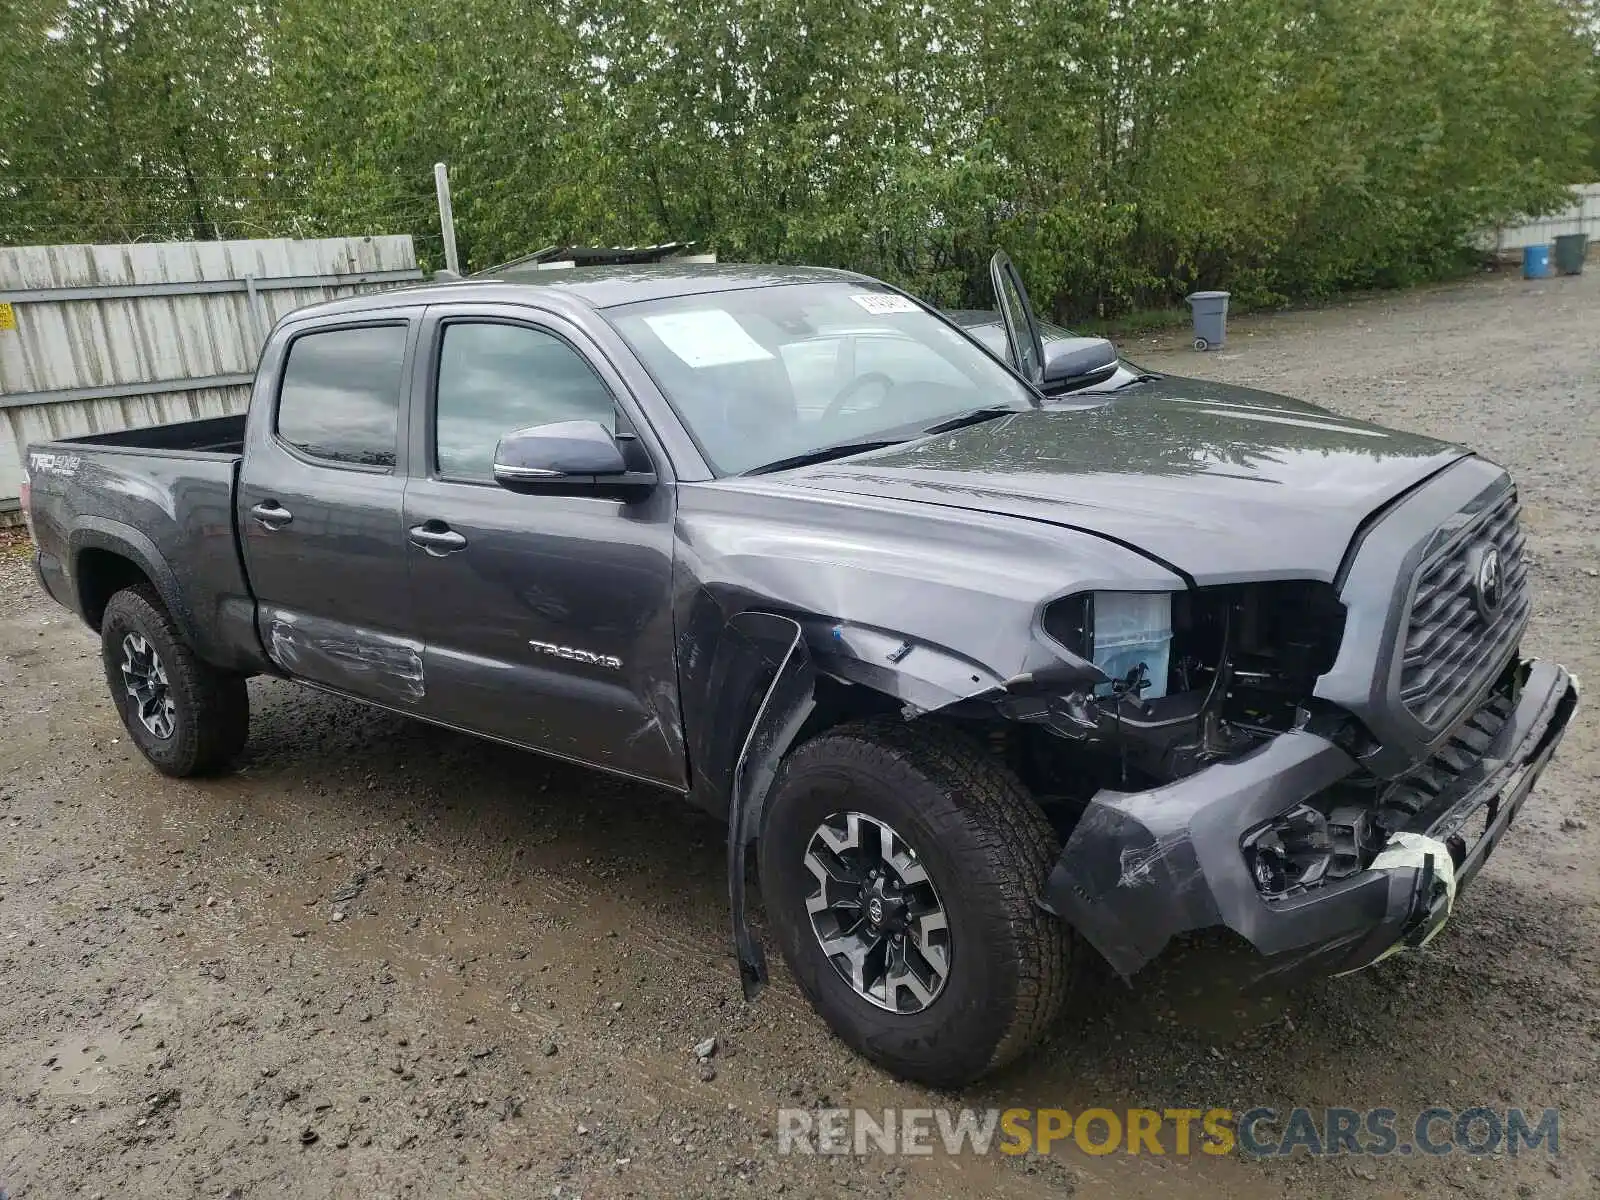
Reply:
x=901, y=869
x=186, y=716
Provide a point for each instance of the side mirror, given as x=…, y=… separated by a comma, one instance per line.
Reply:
x=1077, y=362
x=567, y=458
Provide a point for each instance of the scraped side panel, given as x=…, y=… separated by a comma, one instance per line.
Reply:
x=361, y=661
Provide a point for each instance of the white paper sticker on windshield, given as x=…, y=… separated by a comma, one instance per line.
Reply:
x=706, y=337
x=884, y=302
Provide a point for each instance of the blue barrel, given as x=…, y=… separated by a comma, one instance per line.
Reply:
x=1536, y=262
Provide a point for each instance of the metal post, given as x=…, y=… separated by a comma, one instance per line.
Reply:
x=447, y=220
x=258, y=316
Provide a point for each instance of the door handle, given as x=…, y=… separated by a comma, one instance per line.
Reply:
x=271, y=515
x=437, y=538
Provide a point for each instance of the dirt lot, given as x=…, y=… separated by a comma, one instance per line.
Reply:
x=386, y=960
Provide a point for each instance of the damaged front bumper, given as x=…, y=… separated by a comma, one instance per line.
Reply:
x=1141, y=868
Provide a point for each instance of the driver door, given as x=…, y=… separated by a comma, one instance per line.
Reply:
x=1023, y=341
x=547, y=619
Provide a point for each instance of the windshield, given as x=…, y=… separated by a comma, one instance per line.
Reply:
x=769, y=373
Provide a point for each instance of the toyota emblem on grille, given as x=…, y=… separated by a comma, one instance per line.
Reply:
x=1487, y=583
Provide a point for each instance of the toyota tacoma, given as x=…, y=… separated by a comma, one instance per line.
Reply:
x=990, y=656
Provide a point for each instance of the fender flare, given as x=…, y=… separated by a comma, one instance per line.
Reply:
x=756, y=690
x=115, y=537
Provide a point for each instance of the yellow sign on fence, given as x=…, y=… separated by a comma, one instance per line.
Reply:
x=8, y=316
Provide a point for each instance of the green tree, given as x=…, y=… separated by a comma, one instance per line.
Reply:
x=1124, y=151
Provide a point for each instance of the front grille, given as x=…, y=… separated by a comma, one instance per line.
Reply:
x=1452, y=650
x=1417, y=798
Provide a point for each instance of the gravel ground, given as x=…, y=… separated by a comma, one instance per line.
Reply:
x=386, y=960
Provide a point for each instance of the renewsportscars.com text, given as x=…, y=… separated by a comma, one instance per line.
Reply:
x=1176, y=1132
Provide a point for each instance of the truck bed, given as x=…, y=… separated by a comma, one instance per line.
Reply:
x=209, y=435
x=159, y=502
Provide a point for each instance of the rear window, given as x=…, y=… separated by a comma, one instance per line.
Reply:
x=340, y=396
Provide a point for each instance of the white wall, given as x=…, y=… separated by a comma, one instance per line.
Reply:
x=1582, y=216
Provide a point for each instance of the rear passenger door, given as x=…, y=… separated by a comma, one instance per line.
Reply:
x=547, y=618
x=320, y=504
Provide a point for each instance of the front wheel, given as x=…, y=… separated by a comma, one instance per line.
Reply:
x=901, y=869
x=186, y=716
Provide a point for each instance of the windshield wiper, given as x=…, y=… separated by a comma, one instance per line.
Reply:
x=973, y=416
x=824, y=454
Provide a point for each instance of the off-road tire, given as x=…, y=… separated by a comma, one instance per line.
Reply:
x=212, y=718
x=988, y=850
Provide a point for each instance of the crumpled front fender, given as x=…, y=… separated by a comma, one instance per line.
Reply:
x=757, y=689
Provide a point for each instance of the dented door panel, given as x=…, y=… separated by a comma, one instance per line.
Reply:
x=383, y=666
x=333, y=606
x=548, y=620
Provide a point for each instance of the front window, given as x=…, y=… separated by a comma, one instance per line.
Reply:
x=495, y=378
x=767, y=373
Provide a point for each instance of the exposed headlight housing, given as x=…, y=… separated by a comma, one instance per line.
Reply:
x=1128, y=635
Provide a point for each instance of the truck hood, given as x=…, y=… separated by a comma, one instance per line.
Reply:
x=1221, y=484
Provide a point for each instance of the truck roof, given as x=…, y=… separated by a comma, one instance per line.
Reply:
x=598, y=287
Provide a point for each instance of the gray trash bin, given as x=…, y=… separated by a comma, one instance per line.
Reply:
x=1571, y=248
x=1210, y=319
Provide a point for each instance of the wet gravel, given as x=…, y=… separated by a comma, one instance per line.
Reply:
x=387, y=960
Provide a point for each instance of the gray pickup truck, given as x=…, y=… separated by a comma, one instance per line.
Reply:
x=990, y=670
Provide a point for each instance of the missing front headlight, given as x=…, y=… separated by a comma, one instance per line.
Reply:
x=1270, y=640
x=1128, y=635
x=1133, y=640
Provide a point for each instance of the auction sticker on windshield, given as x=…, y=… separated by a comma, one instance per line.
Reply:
x=706, y=337
x=879, y=303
